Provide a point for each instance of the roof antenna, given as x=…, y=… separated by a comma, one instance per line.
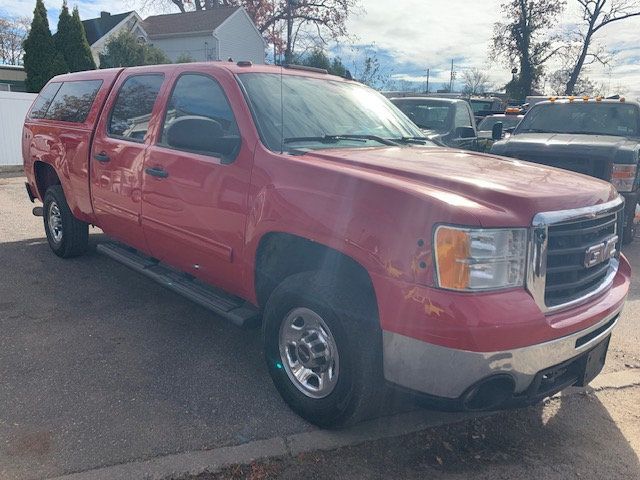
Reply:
x=281, y=113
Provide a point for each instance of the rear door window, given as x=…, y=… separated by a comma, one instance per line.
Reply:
x=41, y=105
x=132, y=109
x=73, y=101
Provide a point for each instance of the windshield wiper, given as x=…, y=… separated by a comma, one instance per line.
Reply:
x=338, y=138
x=535, y=130
x=413, y=140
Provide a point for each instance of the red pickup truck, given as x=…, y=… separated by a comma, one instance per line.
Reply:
x=309, y=205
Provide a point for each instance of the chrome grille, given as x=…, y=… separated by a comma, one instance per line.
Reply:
x=560, y=274
x=567, y=276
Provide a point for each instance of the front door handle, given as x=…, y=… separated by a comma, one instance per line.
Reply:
x=102, y=157
x=156, y=172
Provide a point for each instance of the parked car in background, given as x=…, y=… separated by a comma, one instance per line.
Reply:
x=595, y=137
x=508, y=120
x=485, y=106
x=496, y=127
x=446, y=121
x=308, y=205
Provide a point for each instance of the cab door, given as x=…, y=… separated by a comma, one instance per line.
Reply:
x=195, y=183
x=117, y=155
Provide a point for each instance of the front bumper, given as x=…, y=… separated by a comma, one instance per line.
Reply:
x=449, y=373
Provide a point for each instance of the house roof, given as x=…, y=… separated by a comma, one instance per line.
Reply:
x=188, y=22
x=96, y=28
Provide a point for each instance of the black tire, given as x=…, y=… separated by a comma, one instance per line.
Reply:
x=350, y=314
x=74, y=238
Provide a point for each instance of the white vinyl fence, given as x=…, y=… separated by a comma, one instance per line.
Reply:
x=13, y=108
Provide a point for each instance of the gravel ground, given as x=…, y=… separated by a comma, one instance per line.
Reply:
x=592, y=436
x=101, y=366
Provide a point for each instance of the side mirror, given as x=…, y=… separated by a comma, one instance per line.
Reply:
x=496, y=131
x=202, y=135
x=465, y=132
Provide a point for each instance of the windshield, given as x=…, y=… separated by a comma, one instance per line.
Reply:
x=481, y=105
x=507, y=122
x=582, y=118
x=295, y=111
x=427, y=114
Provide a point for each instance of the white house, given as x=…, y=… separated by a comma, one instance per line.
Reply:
x=216, y=34
x=100, y=30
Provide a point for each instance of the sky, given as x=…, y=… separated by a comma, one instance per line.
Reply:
x=410, y=36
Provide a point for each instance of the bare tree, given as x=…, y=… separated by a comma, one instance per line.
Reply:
x=597, y=14
x=475, y=82
x=557, y=83
x=13, y=31
x=524, y=38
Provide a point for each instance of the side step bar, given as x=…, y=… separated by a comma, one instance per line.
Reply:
x=221, y=303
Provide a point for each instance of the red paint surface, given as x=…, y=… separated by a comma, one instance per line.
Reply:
x=372, y=204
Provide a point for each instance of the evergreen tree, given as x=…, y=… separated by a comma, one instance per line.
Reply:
x=62, y=38
x=40, y=59
x=82, y=59
x=58, y=65
x=124, y=50
x=71, y=41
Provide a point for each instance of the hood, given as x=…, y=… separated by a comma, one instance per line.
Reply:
x=497, y=191
x=554, y=149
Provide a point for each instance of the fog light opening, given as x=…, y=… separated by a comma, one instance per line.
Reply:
x=489, y=394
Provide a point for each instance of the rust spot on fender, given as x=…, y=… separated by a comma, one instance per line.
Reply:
x=392, y=271
x=429, y=307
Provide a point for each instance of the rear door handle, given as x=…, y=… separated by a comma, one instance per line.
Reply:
x=102, y=157
x=156, y=172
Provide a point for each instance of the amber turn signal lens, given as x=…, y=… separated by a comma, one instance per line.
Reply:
x=452, y=253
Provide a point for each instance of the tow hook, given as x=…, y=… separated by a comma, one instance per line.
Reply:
x=38, y=211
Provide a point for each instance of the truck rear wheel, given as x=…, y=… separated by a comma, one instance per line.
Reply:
x=323, y=349
x=67, y=236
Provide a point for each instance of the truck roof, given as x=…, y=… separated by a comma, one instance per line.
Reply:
x=581, y=101
x=233, y=67
x=429, y=99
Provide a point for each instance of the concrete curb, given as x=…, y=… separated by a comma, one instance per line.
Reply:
x=197, y=462
x=11, y=168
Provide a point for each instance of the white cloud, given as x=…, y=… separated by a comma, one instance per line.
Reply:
x=429, y=33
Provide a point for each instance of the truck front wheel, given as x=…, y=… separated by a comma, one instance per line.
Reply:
x=323, y=349
x=67, y=236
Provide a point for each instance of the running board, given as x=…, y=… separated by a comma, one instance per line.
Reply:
x=221, y=303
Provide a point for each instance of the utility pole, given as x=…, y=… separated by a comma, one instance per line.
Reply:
x=427, y=80
x=287, y=53
x=453, y=76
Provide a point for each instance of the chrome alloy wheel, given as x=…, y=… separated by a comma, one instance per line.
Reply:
x=55, y=222
x=309, y=353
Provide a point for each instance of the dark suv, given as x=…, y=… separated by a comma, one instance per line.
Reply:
x=596, y=137
x=447, y=121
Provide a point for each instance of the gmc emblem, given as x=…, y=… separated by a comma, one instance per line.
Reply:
x=601, y=252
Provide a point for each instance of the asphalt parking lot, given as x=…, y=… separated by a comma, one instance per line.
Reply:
x=100, y=366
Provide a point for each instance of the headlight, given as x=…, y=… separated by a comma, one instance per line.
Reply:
x=623, y=177
x=480, y=259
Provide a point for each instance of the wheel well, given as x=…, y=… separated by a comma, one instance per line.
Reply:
x=46, y=176
x=281, y=255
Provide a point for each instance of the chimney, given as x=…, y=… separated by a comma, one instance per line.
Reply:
x=105, y=14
